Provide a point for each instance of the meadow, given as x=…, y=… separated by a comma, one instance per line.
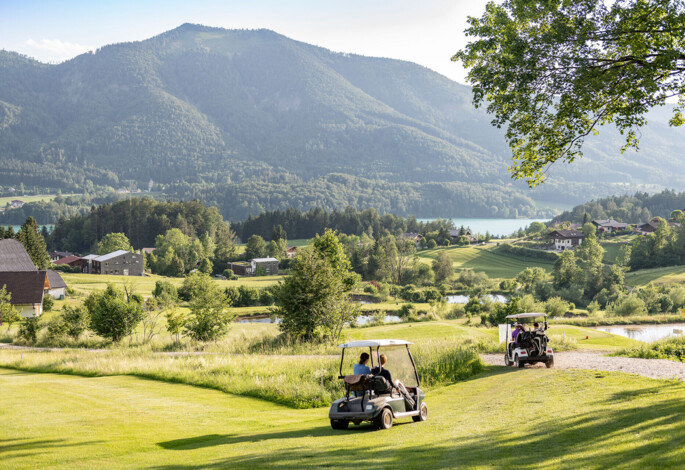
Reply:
x=487, y=259
x=668, y=275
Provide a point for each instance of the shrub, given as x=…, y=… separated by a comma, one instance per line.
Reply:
x=556, y=307
x=28, y=329
x=370, y=289
x=75, y=319
x=628, y=305
x=230, y=275
x=165, y=292
x=48, y=303
x=112, y=314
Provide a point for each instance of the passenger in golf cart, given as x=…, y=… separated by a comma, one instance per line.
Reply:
x=375, y=396
x=523, y=346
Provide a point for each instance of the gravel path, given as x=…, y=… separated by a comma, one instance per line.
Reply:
x=654, y=368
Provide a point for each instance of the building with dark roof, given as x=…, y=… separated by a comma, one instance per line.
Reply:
x=58, y=287
x=609, y=225
x=120, y=262
x=26, y=289
x=71, y=260
x=13, y=256
x=565, y=239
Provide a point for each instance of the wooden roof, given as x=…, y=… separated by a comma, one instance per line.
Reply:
x=26, y=287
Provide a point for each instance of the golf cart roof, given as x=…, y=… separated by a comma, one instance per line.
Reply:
x=527, y=315
x=373, y=343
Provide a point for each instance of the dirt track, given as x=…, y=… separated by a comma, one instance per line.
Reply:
x=654, y=368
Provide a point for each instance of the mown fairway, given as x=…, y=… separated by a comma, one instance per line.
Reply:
x=486, y=259
x=504, y=418
x=669, y=275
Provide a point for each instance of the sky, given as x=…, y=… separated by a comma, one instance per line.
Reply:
x=427, y=32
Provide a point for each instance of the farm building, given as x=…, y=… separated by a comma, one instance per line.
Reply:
x=58, y=287
x=71, y=260
x=120, y=262
x=27, y=289
x=565, y=239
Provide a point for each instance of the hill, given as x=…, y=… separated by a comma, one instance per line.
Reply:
x=208, y=112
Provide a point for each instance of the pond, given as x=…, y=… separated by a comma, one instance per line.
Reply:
x=496, y=227
x=362, y=320
x=646, y=333
x=462, y=299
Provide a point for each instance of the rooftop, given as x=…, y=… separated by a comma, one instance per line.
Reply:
x=264, y=260
x=56, y=281
x=26, y=287
x=13, y=256
x=111, y=255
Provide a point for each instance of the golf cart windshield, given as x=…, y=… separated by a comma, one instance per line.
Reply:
x=400, y=365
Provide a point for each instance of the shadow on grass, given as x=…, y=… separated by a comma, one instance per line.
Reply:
x=25, y=444
x=605, y=435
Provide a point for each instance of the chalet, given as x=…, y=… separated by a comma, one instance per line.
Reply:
x=652, y=225
x=411, y=236
x=291, y=252
x=27, y=289
x=58, y=287
x=58, y=255
x=16, y=203
x=566, y=226
x=609, y=225
x=270, y=265
x=13, y=256
x=71, y=260
x=455, y=234
x=565, y=239
x=147, y=251
x=120, y=262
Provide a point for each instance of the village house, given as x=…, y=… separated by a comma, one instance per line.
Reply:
x=120, y=262
x=13, y=256
x=565, y=239
x=58, y=287
x=16, y=203
x=242, y=268
x=609, y=225
x=26, y=289
x=71, y=260
x=652, y=225
x=412, y=236
x=455, y=234
x=291, y=252
x=58, y=255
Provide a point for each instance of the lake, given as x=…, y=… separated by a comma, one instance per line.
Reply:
x=462, y=299
x=646, y=333
x=496, y=227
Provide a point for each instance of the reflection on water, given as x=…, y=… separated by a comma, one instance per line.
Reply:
x=362, y=320
x=646, y=333
x=259, y=320
x=462, y=299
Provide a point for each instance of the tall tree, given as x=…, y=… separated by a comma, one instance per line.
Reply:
x=552, y=72
x=34, y=243
x=113, y=242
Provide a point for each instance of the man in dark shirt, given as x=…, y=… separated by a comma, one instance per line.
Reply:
x=385, y=373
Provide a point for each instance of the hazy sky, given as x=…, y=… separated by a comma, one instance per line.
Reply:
x=428, y=32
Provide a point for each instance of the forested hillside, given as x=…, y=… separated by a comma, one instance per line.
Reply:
x=252, y=120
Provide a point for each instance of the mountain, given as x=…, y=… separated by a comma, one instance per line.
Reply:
x=206, y=112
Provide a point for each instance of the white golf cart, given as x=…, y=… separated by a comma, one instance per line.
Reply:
x=530, y=345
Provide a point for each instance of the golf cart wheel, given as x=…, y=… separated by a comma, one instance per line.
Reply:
x=339, y=423
x=384, y=419
x=507, y=361
x=423, y=414
x=517, y=362
x=550, y=363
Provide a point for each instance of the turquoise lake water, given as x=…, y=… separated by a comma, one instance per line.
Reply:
x=497, y=227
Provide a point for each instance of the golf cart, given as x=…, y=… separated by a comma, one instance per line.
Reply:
x=371, y=397
x=530, y=346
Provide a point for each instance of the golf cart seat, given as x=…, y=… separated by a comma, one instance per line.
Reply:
x=356, y=383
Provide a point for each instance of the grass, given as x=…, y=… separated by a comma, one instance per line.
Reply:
x=668, y=275
x=505, y=418
x=486, y=259
x=615, y=320
x=36, y=198
x=589, y=338
x=670, y=348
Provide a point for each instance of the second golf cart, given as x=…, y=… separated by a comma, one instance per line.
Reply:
x=370, y=397
x=528, y=346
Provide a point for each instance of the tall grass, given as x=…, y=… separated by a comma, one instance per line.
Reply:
x=669, y=348
x=615, y=320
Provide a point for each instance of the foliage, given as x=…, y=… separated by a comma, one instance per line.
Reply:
x=175, y=322
x=34, y=243
x=113, y=313
x=255, y=248
x=628, y=305
x=48, y=303
x=210, y=316
x=28, y=329
x=312, y=301
x=113, y=242
x=670, y=348
x=8, y=313
x=555, y=71
x=556, y=307
x=442, y=267
x=165, y=292
x=75, y=319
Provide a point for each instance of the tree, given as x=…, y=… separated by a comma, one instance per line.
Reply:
x=8, y=314
x=442, y=267
x=552, y=72
x=530, y=277
x=28, y=329
x=34, y=243
x=278, y=233
x=113, y=242
x=255, y=248
x=312, y=302
x=76, y=320
x=278, y=248
x=175, y=322
x=113, y=314
x=210, y=316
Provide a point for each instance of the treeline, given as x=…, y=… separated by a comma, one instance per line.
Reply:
x=49, y=212
x=299, y=224
x=140, y=219
x=664, y=247
x=641, y=207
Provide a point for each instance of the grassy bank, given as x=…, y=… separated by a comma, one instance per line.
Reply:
x=577, y=420
x=614, y=320
x=672, y=349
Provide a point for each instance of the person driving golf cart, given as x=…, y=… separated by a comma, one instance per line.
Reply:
x=387, y=375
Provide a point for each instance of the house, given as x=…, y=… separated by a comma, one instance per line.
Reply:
x=71, y=260
x=411, y=236
x=16, y=203
x=147, y=251
x=13, y=256
x=566, y=226
x=455, y=234
x=87, y=263
x=565, y=239
x=240, y=268
x=27, y=289
x=291, y=252
x=652, y=225
x=270, y=265
x=609, y=225
x=120, y=262
x=58, y=255
x=58, y=287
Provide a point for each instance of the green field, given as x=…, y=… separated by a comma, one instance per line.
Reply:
x=504, y=418
x=486, y=259
x=36, y=198
x=668, y=275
